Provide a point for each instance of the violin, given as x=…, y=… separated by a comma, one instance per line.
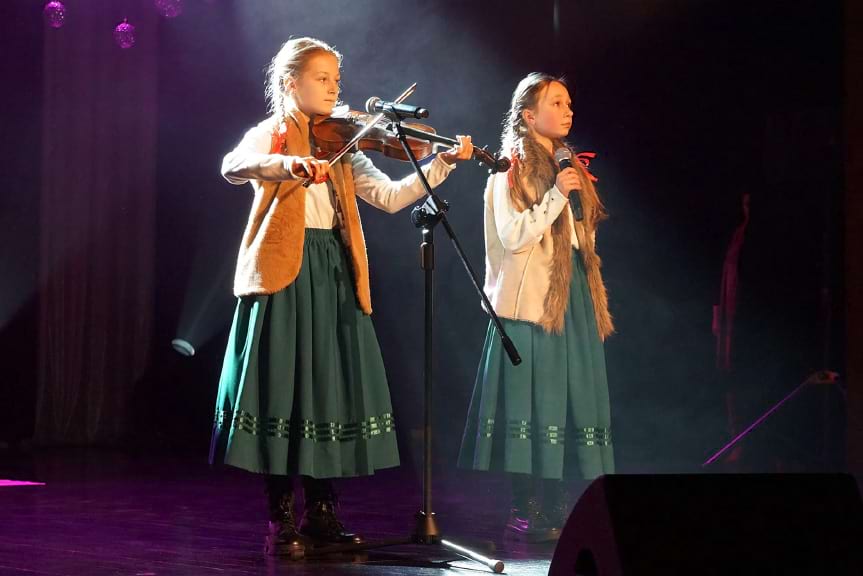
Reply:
x=333, y=135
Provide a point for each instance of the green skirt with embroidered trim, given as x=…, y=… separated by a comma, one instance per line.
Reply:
x=550, y=415
x=303, y=388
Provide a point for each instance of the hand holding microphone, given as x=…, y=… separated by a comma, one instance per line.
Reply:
x=568, y=181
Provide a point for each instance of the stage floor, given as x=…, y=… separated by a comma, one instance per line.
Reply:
x=106, y=513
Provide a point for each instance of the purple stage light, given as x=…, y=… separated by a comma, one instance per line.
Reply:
x=54, y=13
x=10, y=483
x=124, y=34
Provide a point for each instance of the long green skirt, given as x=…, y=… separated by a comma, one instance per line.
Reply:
x=550, y=415
x=303, y=388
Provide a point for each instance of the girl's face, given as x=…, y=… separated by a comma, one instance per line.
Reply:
x=316, y=90
x=552, y=116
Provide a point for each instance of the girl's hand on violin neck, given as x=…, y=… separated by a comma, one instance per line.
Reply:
x=567, y=181
x=462, y=151
x=311, y=168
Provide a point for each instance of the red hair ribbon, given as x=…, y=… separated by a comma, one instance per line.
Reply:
x=585, y=158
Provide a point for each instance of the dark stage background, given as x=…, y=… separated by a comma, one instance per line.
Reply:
x=119, y=234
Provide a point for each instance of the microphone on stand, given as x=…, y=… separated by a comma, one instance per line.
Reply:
x=375, y=105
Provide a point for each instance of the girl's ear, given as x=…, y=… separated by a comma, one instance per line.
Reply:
x=528, y=116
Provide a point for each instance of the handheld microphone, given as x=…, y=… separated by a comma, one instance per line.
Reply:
x=563, y=157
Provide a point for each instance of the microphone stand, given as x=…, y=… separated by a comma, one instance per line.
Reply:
x=426, y=217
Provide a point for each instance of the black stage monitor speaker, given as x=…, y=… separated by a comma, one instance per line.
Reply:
x=703, y=524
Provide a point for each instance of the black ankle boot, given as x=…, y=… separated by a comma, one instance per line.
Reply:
x=320, y=523
x=527, y=521
x=282, y=536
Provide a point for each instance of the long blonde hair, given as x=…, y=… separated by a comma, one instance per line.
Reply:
x=289, y=62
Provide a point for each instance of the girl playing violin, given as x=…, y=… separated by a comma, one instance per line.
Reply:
x=303, y=390
x=547, y=418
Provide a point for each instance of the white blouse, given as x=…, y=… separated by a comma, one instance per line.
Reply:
x=520, y=229
x=251, y=161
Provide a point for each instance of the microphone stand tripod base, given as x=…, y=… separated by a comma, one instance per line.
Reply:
x=426, y=529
